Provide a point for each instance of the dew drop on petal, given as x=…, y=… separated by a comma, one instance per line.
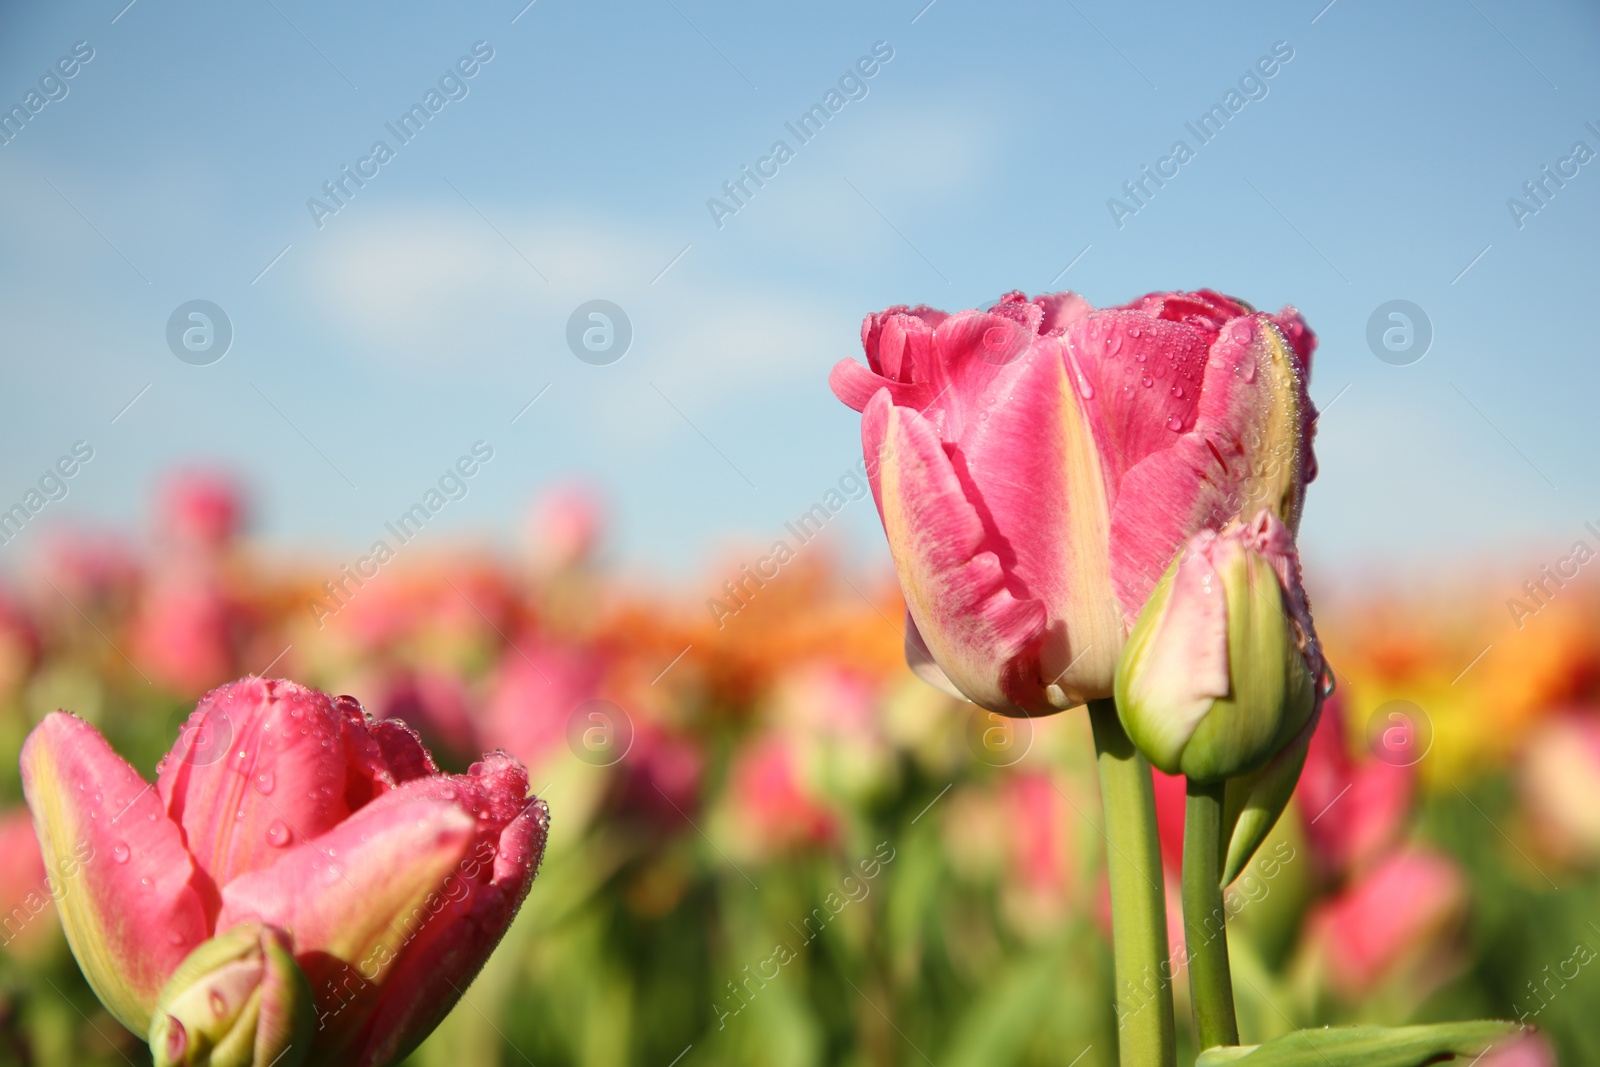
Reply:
x=265, y=782
x=278, y=833
x=120, y=852
x=1177, y=391
x=1175, y=424
x=1145, y=381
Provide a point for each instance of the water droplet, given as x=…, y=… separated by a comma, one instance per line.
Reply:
x=1177, y=391
x=1247, y=370
x=1134, y=331
x=1145, y=381
x=144, y=881
x=1242, y=332
x=1175, y=424
x=278, y=833
x=119, y=852
x=1113, y=345
x=1085, y=390
x=265, y=782
x=175, y=937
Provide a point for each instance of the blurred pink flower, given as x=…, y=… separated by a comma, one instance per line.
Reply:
x=1353, y=810
x=200, y=509
x=770, y=803
x=96, y=570
x=537, y=686
x=1039, y=838
x=27, y=904
x=565, y=526
x=1528, y=1050
x=1170, y=803
x=188, y=631
x=1393, y=923
x=661, y=772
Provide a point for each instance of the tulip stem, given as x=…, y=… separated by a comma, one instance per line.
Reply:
x=1145, y=1032
x=1205, y=919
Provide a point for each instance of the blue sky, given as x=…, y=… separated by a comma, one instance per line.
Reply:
x=433, y=306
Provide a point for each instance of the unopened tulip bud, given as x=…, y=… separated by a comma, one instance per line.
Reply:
x=1221, y=670
x=238, y=1000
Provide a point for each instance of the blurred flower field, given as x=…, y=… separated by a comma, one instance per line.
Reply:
x=772, y=845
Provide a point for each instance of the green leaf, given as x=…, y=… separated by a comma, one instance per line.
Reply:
x=1366, y=1046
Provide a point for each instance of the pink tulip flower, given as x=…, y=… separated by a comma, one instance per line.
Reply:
x=1039, y=464
x=1393, y=924
x=283, y=807
x=201, y=510
x=27, y=890
x=565, y=525
x=1354, y=811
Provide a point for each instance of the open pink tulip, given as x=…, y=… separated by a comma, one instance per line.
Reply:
x=1039, y=464
x=282, y=806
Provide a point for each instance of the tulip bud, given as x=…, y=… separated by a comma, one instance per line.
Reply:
x=238, y=1000
x=1220, y=672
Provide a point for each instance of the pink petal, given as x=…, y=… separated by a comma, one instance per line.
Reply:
x=1145, y=374
x=1244, y=452
x=1030, y=466
x=132, y=903
x=1185, y=667
x=394, y=911
x=260, y=765
x=446, y=954
x=984, y=637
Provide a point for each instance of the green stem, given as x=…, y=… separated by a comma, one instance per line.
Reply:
x=1145, y=1034
x=1205, y=919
